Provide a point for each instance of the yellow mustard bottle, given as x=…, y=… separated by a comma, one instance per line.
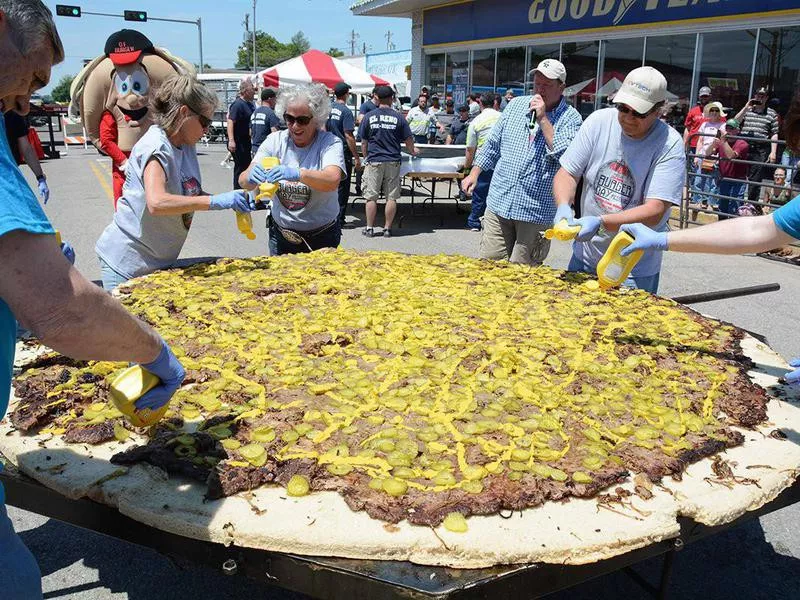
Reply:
x=58, y=238
x=562, y=231
x=130, y=385
x=613, y=269
x=267, y=190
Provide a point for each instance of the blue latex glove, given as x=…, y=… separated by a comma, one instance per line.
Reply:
x=275, y=174
x=44, y=191
x=258, y=175
x=793, y=376
x=170, y=371
x=68, y=251
x=238, y=200
x=563, y=211
x=589, y=227
x=644, y=238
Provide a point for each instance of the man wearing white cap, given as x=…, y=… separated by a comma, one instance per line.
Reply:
x=523, y=149
x=696, y=117
x=634, y=168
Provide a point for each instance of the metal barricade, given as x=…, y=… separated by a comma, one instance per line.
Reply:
x=710, y=193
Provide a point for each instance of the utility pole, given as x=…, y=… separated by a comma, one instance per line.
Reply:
x=255, y=66
x=352, y=41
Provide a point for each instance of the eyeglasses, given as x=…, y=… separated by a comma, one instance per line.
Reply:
x=713, y=110
x=302, y=120
x=205, y=122
x=629, y=111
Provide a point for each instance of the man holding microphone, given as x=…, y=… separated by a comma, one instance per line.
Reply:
x=523, y=149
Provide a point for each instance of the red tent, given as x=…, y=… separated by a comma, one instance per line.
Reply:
x=318, y=67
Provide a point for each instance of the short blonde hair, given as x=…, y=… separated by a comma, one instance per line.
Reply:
x=176, y=91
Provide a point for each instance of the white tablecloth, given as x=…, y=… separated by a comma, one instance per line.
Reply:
x=430, y=165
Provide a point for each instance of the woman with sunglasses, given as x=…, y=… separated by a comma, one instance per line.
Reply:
x=706, y=171
x=305, y=209
x=162, y=186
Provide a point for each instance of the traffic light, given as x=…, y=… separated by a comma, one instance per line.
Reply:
x=139, y=16
x=65, y=10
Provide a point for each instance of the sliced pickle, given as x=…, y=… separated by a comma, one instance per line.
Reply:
x=297, y=486
x=339, y=468
x=395, y=487
x=455, y=522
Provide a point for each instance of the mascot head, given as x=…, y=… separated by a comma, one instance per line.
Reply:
x=119, y=82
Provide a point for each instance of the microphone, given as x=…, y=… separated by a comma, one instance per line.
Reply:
x=532, y=121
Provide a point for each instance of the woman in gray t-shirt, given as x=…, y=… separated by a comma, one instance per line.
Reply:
x=162, y=186
x=305, y=209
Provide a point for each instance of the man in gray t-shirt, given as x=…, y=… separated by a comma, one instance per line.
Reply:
x=633, y=167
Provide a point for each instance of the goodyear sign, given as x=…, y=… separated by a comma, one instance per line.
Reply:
x=490, y=19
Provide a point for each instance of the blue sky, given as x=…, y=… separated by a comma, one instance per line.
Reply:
x=325, y=23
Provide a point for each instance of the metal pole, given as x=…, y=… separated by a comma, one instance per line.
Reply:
x=753, y=67
x=200, y=36
x=255, y=68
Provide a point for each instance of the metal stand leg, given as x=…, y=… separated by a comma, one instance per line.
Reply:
x=662, y=591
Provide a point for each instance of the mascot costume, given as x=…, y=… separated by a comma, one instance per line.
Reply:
x=111, y=95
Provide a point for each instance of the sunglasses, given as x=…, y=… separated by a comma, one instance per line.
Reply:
x=713, y=110
x=629, y=111
x=302, y=120
x=205, y=122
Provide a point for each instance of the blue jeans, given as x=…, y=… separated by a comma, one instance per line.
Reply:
x=109, y=276
x=705, y=182
x=730, y=188
x=479, y=195
x=420, y=139
x=278, y=244
x=19, y=573
x=648, y=283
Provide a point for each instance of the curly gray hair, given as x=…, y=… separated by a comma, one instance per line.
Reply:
x=315, y=95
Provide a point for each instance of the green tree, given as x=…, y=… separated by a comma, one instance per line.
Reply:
x=60, y=91
x=269, y=51
x=299, y=43
x=335, y=53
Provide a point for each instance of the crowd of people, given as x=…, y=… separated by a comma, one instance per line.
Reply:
x=733, y=154
x=533, y=162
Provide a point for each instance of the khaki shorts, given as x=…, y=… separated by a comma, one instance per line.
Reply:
x=383, y=176
x=515, y=241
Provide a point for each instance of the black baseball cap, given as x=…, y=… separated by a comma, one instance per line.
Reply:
x=384, y=91
x=268, y=93
x=340, y=89
x=125, y=46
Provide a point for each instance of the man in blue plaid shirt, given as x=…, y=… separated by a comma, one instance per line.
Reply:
x=524, y=149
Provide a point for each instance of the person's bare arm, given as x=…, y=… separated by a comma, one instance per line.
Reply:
x=469, y=157
x=412, y=149
x=65, y=310
x=773, y=149
x=650, y=213
x=160, y=201
x=29, y=154
x=732, y=236
x=351, y=145
x=231, y=142
x=547, y=131
x=740, y=115
x=564, y=187
x=324, y=180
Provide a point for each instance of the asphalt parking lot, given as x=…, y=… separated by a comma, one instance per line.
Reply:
x=760, y=559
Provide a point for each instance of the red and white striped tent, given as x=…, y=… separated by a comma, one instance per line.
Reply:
x=317, y=67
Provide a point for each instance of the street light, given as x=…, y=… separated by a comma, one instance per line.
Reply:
x=66, y=10
x=136, y=15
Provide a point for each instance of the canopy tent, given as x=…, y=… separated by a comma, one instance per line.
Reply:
x=318, y=67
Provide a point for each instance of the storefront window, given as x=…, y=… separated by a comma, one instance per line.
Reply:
x=482, y=71
x=726, y=65
x=457, y=76
x=621, y=57
x=511, y=70
x=434, y=77
x=580, y=60
x=673, y=55
x=778, y=65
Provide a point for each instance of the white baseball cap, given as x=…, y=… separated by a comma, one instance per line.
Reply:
x=642, y=89
x=552, y=69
